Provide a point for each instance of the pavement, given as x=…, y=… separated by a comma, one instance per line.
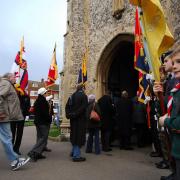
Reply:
x=116, y=165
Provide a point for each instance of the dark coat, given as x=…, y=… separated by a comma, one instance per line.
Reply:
x=107, y=112
x=173, y=123
x=25, y=104
x=169, y=85
x=90, y=122
x=139, y=113
x=41, y=111
x=76, y=107
x=124, y=115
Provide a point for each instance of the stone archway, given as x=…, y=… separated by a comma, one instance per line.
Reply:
x=115, y=71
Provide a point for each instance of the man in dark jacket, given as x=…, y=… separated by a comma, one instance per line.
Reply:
x=76, y=112
x=42, y=122
x=124, y=113
x=107, y=112
x=18, y=127
x=139, y=120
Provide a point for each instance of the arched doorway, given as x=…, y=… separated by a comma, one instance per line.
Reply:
x=116, y=71
x=116, y=67
x=122, y=75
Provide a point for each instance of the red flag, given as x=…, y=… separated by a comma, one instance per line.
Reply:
x=24, y=80
x=19, y=68
x=53, y=70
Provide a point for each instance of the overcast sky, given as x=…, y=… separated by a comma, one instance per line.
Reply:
x=42, y=23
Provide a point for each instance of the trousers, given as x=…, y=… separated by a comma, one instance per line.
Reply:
x=6, y=140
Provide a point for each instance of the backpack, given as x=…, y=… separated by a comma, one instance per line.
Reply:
x=68, y=109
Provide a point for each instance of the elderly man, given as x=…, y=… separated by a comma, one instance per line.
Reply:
x=17, y=127
x=9, y=111
x=76, y=112
x=42, y=122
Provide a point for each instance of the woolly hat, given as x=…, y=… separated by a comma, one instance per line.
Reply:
x=91, y=97
x=42, y=91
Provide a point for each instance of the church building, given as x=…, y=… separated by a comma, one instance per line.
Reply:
x=103, y=30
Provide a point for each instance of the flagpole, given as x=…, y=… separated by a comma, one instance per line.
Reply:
x=20, y=58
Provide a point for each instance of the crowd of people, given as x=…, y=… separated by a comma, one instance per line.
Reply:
x=92, y=117
x=125, y=112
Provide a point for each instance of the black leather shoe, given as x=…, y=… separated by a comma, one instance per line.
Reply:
x=159, y=163
x=88, y=151
x=107, y=150
x=47, y=149
x=40, y=156
x=170, y=177
x=32, y=156
x=128, y=148
x=163, y=165
x=154, y=154
x=80, y=159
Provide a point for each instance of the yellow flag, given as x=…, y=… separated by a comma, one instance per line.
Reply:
x=158, y=36
x=53, y=70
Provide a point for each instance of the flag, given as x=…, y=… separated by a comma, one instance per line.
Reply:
x=53, y=70
x=82, y=78
x=19, y=69
x=143, y=90
x=159, y=39
x=140, y=61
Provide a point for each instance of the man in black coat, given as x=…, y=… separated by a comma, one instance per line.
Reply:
x=107, y=113
x=76, y=112
x=17, y=128
x=124, y=113
x=42, y=122
x=139, y=121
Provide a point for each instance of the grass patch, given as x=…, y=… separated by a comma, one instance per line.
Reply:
x=29, y=123
x=54, y=131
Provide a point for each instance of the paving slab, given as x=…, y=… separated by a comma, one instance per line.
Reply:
x=116, y=165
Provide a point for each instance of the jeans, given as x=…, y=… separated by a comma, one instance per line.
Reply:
x=94, y=132
x=76, y=151
x=6, y=139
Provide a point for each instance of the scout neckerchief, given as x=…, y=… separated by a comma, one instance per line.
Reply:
x=170, y=99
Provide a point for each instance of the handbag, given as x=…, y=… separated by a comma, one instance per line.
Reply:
x=94, y=115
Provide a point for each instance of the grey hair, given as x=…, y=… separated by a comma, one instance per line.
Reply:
x=7, y=75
